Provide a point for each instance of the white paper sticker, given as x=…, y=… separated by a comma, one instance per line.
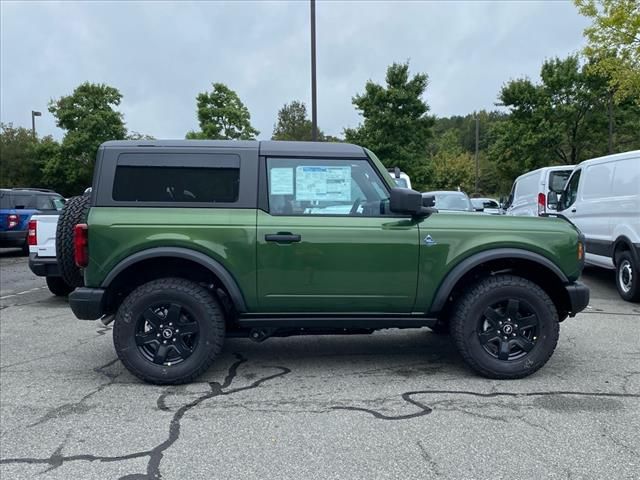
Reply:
x=323, y=183
x=281, y=181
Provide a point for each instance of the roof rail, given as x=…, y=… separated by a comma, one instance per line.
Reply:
x=47, y=190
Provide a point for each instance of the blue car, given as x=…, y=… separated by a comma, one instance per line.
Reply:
x=16, y=207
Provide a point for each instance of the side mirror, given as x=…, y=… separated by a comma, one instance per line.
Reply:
x=552, y=198
x=428, y=201
x=408, y=202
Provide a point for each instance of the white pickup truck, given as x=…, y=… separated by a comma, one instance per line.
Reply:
x=42, y=252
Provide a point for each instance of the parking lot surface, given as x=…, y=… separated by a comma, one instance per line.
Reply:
x=395, y=404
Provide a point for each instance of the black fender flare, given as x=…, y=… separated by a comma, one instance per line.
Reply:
x=624, y=240
x=219, y=270
x=452, y=278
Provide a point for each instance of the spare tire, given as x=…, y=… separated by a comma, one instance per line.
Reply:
x=74, y=212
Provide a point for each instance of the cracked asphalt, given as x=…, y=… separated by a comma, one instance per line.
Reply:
x=395, y=404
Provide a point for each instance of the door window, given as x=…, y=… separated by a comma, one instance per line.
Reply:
x=325, y=187
x=571, y=192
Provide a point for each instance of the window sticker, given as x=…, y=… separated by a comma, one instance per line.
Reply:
x=281, y=181
x=323, y=183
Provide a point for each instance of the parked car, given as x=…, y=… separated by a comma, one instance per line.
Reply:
x=530, y=192
x=17, y=205
x=602, y=198
x=487, y=205
x=401, y=179
x=50, y=241
x=451, y=201
x=181, y=248
x=42, y=253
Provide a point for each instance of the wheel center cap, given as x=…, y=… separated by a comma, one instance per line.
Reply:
x=167, y=333
x=507, y=329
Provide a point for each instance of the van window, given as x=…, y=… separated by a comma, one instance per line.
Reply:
x=626, y=180
x=597, y=180
x=558, y=179
x=571, y=193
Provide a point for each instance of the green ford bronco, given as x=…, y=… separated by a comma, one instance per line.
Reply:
x=186, y=242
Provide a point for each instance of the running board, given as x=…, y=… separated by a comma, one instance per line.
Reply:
x=334, y=321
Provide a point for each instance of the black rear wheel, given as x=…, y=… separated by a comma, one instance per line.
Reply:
x=505, y=327
x=627, y=277
x=169, y=331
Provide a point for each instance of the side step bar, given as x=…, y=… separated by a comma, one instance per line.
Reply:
x=334, y=321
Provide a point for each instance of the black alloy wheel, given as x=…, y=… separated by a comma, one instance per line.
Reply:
x=508, y=330
x=167, y=334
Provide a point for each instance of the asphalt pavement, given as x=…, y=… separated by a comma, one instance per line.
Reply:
x=395, y=404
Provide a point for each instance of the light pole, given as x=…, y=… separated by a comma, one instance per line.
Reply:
x=476, y=155
x=314, y=111
x=34, y=114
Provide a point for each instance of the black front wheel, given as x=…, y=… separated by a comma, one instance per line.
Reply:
x=505, y=327
x=168, y=331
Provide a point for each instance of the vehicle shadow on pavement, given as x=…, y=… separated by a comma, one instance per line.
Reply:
x=11, y=253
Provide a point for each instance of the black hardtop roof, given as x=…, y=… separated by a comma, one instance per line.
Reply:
x=265, y=147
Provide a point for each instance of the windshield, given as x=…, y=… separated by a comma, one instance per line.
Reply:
x=401, y=182
x=453, y=201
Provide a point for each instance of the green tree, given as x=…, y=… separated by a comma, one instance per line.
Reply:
x=89, y=118
x=448, y=167
x=396, y=124
x=614, y=44
x=222, y=115
x=293, y=123
x=18, y=165
x=562, y=120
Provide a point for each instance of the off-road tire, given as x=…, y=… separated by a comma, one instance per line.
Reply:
x=74, y=212
x=625, y=259
x=58, y=286
x=206, y=312
x=470, y=308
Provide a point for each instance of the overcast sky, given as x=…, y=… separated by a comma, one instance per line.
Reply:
x=160, y=54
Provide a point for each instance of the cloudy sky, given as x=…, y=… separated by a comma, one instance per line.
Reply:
x=160, y=54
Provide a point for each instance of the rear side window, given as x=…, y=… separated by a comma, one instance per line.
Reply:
x=176, y=184
x=597, y=180
x=626, y=180
x=177, y=178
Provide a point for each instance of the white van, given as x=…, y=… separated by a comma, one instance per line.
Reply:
x=602, y=198
x=402, y=179
x=530, y=192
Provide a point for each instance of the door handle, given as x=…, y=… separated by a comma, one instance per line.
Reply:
x=573, y=210
x=282, y=237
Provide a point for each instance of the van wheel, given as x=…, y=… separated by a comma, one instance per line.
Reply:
x=74, y=212
x=505, y=327
x=627, y=277
x=58, y=286
x=168, y=331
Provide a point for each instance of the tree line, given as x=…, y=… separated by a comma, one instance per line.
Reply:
x=585, y=105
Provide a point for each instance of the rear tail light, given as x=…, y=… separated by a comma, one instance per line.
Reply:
x=542, y=203
x=12, y=220
x=32, y=235
x=81, y=244
x=580, y=251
